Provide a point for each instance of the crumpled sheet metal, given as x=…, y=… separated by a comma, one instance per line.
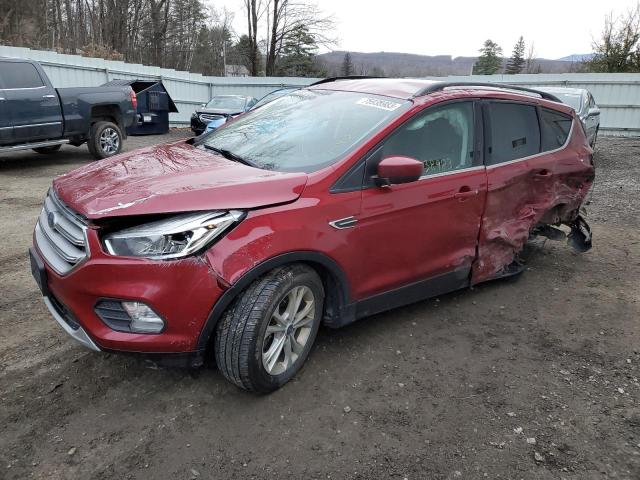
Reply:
x=547, y=189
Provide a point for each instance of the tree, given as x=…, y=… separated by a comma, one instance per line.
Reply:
x=618, y=49
x=298, y=56
x=254, y=12
x=517, y=61
x=285, y=19
x=490, y=59
x=347, y=65
x=530, y=64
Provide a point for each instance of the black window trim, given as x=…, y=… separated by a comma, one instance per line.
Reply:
x=44, y=83
x=478, y=152
x=487, y=131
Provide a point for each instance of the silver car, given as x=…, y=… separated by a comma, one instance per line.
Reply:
x=585, y=106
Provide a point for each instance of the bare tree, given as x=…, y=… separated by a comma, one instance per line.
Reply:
x=254, y=11
x=530, y=64
x=618, y=49
x=285, y=19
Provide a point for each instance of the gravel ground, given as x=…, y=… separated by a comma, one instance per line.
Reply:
x=529, y=379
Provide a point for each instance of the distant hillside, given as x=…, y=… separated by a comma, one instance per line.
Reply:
x=409, y=65
x=578, y=57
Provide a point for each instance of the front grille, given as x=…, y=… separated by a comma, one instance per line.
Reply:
x=60, y=235
x=208, y=118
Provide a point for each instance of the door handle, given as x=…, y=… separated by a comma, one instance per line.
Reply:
x=464, y=193
x=543, y=173
x=2, y=99
x=48, y=96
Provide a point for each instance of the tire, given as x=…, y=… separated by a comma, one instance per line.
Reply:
x=45, y=150
x=241, y=334
x=595, y=137
x=105, y=140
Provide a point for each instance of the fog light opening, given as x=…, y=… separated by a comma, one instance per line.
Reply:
x=143, y=319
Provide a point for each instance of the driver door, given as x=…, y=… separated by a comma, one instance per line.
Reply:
x=423, y=234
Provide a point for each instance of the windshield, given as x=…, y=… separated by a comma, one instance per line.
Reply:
x=305, y=130
x=227, y=103
x=272, y=96
x=574, y=100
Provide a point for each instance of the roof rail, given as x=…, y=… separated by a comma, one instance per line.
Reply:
x=347, y=77
x=436, y=87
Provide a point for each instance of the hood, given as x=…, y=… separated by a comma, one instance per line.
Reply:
x=219, y=111
x=174, y=177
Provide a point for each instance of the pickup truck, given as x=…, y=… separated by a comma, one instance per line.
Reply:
x=34, y=115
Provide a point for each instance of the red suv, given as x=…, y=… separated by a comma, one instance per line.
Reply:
x=329, y=204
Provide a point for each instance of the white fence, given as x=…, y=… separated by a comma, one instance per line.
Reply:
x=618, y=95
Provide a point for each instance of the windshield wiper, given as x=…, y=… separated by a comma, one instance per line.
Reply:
x=229, y=155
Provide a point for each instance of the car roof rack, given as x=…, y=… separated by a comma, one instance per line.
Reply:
x=438, y=86
x=346, y=77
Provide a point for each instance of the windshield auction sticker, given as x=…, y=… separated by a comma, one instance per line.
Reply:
x=378, y=103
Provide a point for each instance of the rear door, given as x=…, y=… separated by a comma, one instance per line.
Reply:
x=522, y=180
x=6, y=127
x=425, y=232
x=33, y=104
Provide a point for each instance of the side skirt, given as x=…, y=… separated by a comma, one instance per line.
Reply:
x=412, y=293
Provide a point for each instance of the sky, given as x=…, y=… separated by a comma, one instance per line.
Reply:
x=459, y=28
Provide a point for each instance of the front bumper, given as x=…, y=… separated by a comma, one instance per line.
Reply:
x=182, y=292
x=197, y=126
x=77, y=334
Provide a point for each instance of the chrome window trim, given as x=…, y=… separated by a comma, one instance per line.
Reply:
x=38, y=125
x=451, y=172
x=547, y=152
x=24, y=88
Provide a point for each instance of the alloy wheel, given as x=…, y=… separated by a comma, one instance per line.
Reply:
x=109, y=141
x=288, y=331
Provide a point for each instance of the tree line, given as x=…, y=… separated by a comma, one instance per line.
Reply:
x=282, y=37
x=617, y=50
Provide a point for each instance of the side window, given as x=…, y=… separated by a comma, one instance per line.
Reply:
x=441, y=138
x=514, y=132
x=20, y=75
x=555, y=129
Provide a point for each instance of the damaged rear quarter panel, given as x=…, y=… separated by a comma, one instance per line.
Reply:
x=547, y=188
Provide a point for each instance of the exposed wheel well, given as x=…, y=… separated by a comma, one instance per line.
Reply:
x=106, y=113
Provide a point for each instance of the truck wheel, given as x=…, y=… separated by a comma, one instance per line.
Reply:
x=105, y=140
x=50, y=149
x=265, y=336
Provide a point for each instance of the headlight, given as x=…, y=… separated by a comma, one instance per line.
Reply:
x=175, y=237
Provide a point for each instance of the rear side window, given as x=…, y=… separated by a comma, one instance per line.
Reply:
x=555, y=129
x=20, y=75
x=515, y=132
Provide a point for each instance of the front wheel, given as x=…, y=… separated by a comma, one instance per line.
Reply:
x=105, y=140
x=265, y=336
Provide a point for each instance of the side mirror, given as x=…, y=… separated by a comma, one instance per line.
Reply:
x=399, y=170
x=593, y=112
x=203, y=104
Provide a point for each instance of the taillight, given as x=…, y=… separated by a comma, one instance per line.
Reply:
x=134, y=99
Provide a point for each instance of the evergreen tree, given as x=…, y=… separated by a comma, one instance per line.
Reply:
x=490, y=59
x=298, y=55
x=347, y=65
x=517, y=61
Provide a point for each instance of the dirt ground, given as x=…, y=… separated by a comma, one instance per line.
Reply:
x=529, y=379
